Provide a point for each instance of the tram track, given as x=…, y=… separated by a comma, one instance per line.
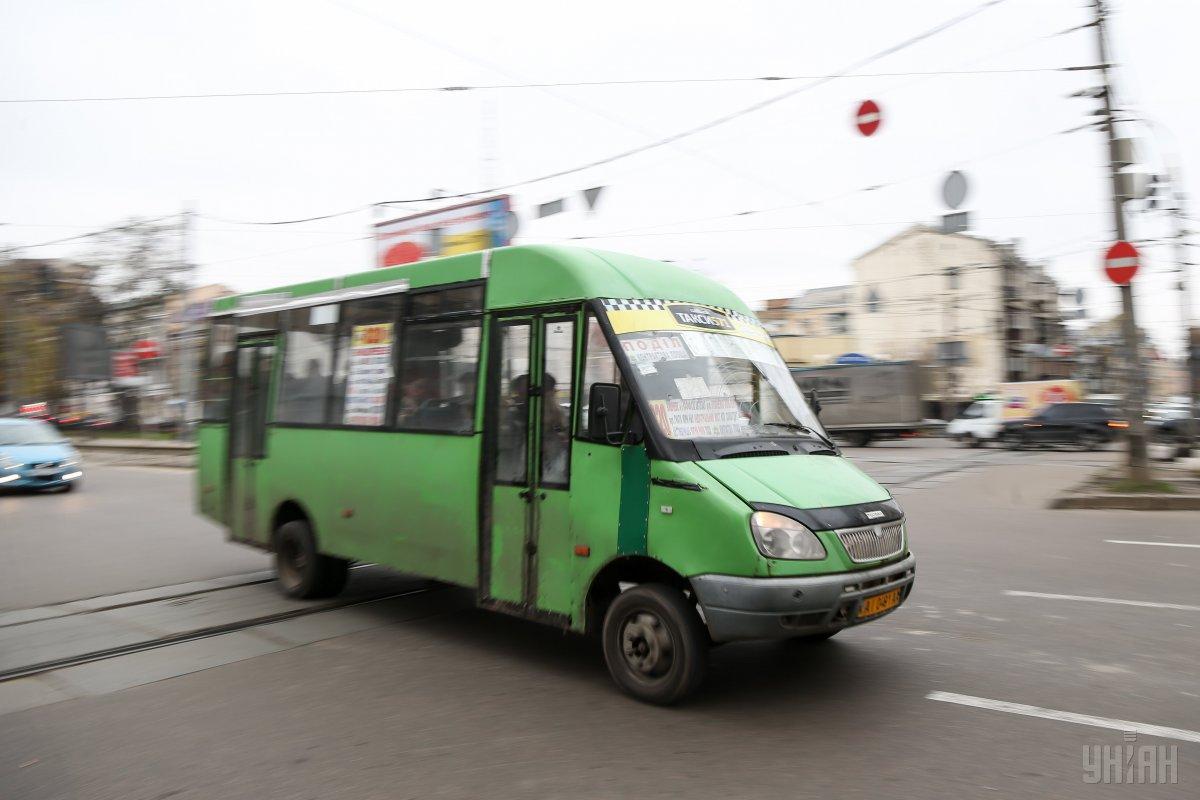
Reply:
x=206, y=632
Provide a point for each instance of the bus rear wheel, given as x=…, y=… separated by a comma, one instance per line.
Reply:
x=655, y=645
x=303, y=572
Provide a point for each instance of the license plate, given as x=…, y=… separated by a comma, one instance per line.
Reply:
x=45, y=472
x=879, y=603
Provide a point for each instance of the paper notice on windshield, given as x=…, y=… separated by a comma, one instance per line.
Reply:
x=651, y=349
x=368, y=374
x=692, y=388
x=697, y=344
x=707, y=418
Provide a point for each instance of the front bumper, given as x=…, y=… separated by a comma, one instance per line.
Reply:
x=780, y=608
x=25, y=480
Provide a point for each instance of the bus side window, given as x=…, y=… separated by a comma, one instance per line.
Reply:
x=307, y=365
x=438, y=369
x=599, y=366
x=363, y=379
x=218, y=372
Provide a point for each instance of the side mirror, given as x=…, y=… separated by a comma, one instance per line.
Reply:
x=814, y=401
x=604, y=411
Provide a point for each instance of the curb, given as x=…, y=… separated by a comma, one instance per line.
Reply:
x=1130, y=502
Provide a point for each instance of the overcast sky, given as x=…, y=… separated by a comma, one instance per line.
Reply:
x=67, y=168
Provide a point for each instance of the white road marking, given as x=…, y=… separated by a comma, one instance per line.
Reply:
x=1065, y=716
x=1110, y=600
x=1153, y=544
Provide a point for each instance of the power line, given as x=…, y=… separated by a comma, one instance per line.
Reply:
x=713, y=123
x=509, y=86
x=820, y=226
x=657, y=143
x=819, y=201
x=113, y=229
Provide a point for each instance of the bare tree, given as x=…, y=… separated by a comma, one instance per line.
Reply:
x=139, y=260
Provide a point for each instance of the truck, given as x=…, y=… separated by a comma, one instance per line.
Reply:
x=861, y=403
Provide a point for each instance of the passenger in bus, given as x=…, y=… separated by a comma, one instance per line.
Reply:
x=556, y=432
x=415, y=394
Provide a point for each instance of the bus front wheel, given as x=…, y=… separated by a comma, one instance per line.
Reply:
x=655, y=645
x=302, y=571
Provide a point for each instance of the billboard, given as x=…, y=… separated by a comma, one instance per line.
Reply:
x=464, y=228
x=85, y=355
x=1025, y=399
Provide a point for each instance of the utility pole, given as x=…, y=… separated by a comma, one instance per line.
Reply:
x=1135, y=385
x=1179, y=213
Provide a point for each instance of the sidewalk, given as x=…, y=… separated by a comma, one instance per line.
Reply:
x=136, y=452
x=1102, y=490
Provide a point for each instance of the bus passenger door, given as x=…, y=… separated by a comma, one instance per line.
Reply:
x=247, y=431
x=527, y=454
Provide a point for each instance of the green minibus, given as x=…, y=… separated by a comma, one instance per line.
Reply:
x=595, y=441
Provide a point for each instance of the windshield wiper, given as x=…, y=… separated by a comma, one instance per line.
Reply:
x=796, y=426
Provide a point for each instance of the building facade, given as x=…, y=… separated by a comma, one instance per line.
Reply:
x=812, y=328
x=971, y=308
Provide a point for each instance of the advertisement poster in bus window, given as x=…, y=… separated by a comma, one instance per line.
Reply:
x=701, y=417
x=368, y=375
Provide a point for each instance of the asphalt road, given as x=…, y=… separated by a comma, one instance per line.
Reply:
x=125, y=528
x=424, y=696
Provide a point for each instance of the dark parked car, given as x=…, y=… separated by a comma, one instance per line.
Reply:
x=1086, y=425
x=1173, y=430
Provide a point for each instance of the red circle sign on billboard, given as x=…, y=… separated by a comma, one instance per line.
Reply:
x=403, y=253
x=868, y=117
x=1121, y=263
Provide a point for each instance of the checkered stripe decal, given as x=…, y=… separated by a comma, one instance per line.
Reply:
x=634, y=305
x=639, y=304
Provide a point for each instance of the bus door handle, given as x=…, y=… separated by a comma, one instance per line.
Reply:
x=526, y=495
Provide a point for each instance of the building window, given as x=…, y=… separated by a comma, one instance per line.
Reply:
x=952, y=352
x=838, y=322
x=873, y=301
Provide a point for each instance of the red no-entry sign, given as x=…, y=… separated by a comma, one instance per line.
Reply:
x=1121, y=263
x=868, y=117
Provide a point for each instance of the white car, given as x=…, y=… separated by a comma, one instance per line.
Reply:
x=978, y=424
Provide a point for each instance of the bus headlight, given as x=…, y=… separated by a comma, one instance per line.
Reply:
x=778, y=536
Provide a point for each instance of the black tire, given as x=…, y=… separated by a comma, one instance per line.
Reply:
x=655, y=645
x=1090, y=440
x=301, y=571
x=859, y=438
x=1013, y=441
x=816, y=638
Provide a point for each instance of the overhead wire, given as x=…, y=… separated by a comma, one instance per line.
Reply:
x=512, y=86
x=662, y=141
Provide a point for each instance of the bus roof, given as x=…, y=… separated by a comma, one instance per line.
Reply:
x=530, y=275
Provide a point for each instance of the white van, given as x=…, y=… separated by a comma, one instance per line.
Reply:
x=978, y=424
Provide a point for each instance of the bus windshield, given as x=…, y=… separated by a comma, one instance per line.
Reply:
x=715, y=385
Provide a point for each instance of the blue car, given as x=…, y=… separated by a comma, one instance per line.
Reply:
x=34, y=455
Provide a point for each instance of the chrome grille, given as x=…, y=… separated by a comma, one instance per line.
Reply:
x=873, y=542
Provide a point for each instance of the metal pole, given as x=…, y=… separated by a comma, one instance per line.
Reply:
x=1135, y=398
x=1185, y=300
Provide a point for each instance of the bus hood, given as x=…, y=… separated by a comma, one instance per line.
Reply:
x=799, y=481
